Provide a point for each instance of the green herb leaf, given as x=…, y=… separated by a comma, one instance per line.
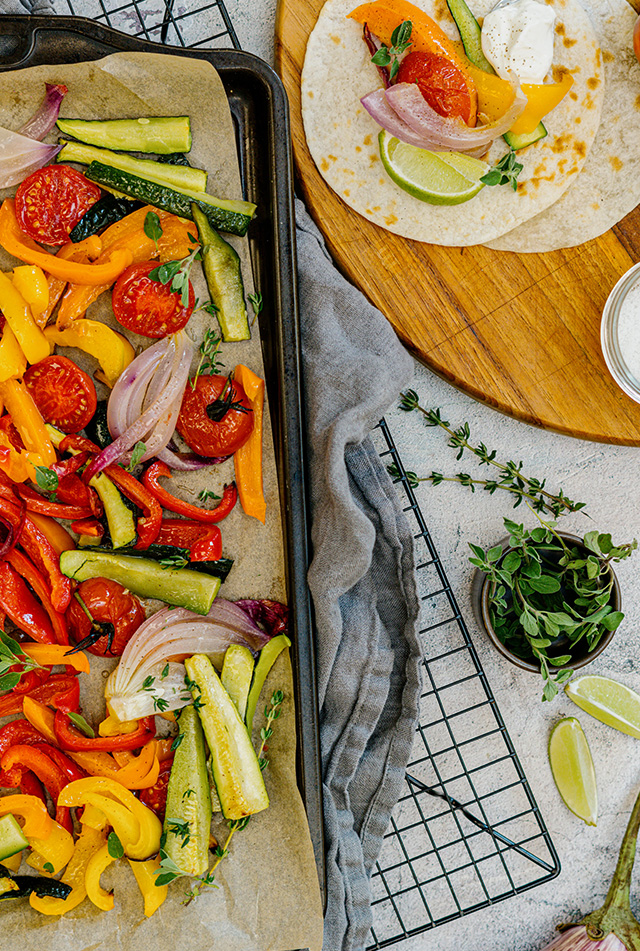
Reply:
x=82, y=724
x=137, y=452
x=177, y=741
x=114, y=846
x=152, y=227
x=504, y=172
x=46, y=479
x=48, y=867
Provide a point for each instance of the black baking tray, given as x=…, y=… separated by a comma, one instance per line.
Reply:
x=259, y=107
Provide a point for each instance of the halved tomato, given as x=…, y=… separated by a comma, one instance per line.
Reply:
x=63, y=393
x=51, y=201
x=148, y=307
x=441, y=83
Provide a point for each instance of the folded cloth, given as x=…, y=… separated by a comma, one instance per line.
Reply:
x=15, y=7
x=361, y=579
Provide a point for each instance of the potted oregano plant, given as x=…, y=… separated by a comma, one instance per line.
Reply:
x=549, y=601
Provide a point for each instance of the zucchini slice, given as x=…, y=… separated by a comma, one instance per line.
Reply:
x=162, y=134
x=222, y=270
x=469, y=30
x=517, y=142
x=222, y=214
x=188, y=813
x=174, y=176
x=106, y=211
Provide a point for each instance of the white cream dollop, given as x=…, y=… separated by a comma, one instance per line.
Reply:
x=518, y=36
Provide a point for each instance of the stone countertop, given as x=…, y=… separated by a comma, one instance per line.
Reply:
x=608, y=479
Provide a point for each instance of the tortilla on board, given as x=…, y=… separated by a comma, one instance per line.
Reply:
x=342, y=137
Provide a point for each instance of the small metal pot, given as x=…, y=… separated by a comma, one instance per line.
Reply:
x=480, y=586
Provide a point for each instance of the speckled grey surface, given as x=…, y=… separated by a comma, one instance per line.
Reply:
x=608, y=478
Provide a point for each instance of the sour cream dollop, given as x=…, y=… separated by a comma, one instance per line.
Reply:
x=518, y=36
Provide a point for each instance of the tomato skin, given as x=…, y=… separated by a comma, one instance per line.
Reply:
x=52, y=200
x=148, y=307
x=202, y=434
x=64, y=394
x=441, y=83
x=155, y=797
x=108, y=602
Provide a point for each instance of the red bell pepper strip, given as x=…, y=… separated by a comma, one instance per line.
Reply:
x=159, y=470
x=19, y=731
x=88, y=526
x=54, y=780
x=33, y=577
x=70, y=769
x=30, y=785
x=149, y=525
x=71, y=465
x=71, y=739
x=37, y=503
x=61, y=691
x=21, y=606
x=31, y=679
x=42, y=553
x=73, y=441
x=203, y=541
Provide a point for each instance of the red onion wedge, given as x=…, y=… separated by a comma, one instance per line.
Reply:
x=146, y=674
x=145, y=402
x=43, y=120
x=443, y=134
x=379, y=109
x=20, y=156
x=187, y=461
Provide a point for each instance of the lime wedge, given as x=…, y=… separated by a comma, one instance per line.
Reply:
x=572, y=768
x=608, y=701
x=440, y=178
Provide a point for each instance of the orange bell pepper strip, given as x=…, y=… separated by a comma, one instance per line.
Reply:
x=174, y=243
x=96, y=763
x=83, y=252
x=59, y=537
x=89, y=843
x=26, y=417
x=13, y=362
x=145, y=875
x=22, y=247
x=37, y=821
x=248, y=458
x=51, y=654
x=98, y=862
x=143, y=770
x=383, y=16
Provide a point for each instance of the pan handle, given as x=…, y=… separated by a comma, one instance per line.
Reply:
x=17, y=39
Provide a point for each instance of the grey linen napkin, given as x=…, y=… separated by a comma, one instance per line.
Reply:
x=361, y=579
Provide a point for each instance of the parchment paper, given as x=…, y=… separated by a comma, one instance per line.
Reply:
x=268, y=897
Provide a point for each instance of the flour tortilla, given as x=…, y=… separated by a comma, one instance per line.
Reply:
x=342, y=137
x=608, y=187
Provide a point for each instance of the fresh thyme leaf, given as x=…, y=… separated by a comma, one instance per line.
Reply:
x=187, y=793
x=137, y=452
x=256, y=302
x=504, y=172
x=177, y=559
x=210, y=308
x=159, y=703
x=82, y=724
x=152, y=227
x=209, y=355
x=207, y=494
x=177, y=740
x=46, y=479
x=180, y=828
x=114, y=846
x=165, y=671
x=148, y=682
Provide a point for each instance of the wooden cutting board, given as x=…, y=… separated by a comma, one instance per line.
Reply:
x=520, y=332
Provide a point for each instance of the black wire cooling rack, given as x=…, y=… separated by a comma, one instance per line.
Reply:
x=467, y=831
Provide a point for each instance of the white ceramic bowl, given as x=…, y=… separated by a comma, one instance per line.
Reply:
x=609, y=337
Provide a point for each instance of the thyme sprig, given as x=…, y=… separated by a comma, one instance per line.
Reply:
x=504, y=172
x=209, y=351
x=523, y=488
x=271, y=712
x=176, y=274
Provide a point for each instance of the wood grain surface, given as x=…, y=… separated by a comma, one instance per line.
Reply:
x=520, y=332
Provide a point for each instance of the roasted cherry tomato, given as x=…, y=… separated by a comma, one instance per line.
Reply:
x=51, y=201
x=155, y=797
x=215, y=417
x=63, y=393
x=117, y=614
x=441, y=82
x=148, y=307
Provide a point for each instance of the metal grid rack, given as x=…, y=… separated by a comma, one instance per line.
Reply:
x=466, y=832
x=482, y=838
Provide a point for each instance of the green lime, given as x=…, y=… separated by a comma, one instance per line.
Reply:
x=440, y=178
x=572, y=768
x=608, y=701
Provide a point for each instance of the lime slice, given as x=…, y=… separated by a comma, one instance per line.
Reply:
x=607, y=700
x=572, y=768
x=440, y=178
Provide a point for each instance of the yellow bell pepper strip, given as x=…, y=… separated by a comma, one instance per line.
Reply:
x=13, y=862
x=145, y=875
x=112, y=350
x=33, y=342
x=111, y=726
x=89, y=842
x=56, y=849
x=100, y=792
x=58, y=536
x=31, y=283
x=94, y=817
x=495, y=96
x=37, y=821
x=143, y=770
x=83, y=252
x=95, y=892
x=51, y=654
x=123, y=822
x=29, y=423
x=13, y=362
x=248, y=458
x=22, y=247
